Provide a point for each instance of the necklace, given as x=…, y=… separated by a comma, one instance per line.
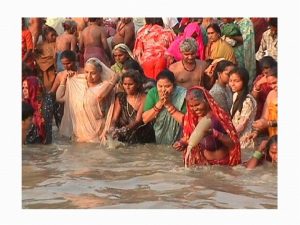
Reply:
x=127, y=105
x=189, y=70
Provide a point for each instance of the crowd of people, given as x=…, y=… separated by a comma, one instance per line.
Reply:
x=205, y=86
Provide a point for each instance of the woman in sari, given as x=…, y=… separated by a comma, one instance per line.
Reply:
x=192, y=30
x=216, y=47
x=220, y=145
x=269, y=115
x=151, y=43
x=121, y=54
x=127, y=124
x=165, y=106
x=42, y=104
x=88, y=102
x=261, y=87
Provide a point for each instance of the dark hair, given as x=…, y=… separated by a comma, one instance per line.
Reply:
x=46, y=30
x=273, y=71
x=166, y=74
x=154, y=20
x=136, y=76
x=134, y=65
x=221, y=66
x=267, y=62
x=273, y=22
x=214, y=26
x=27, y=110
x=196, y=94
x=68, y=54
x=92, y=19
x=272, y=140
x=244, y=75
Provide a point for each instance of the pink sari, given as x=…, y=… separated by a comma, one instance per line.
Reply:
x=85, y=118
x=189, y=31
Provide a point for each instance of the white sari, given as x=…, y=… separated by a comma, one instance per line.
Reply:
x=85, y=118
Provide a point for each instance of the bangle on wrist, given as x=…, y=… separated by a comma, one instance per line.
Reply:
x=156, y=109
x=257, y=154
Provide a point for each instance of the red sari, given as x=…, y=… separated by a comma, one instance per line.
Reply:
x=190, y=121
x=35, y=99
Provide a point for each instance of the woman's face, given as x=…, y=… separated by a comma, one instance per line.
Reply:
x=198, y=107
x=164, y=86
x=266, y=71
x=51, y=37
x=68, y=64
x=235, y=82
x=224, y=76
x=272, y=82
x=212, y=35
x=120, y=56
x=25, y=90
x=129, y=85
x=92, y=74
x=273, y=152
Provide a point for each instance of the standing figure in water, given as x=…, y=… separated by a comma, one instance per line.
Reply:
x=127, y=124
x=88, y=102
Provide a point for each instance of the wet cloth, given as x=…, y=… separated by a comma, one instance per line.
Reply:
x=42, y=103
x=144, y=133
x=85, y=118
x=166, y=128
x=190, y=122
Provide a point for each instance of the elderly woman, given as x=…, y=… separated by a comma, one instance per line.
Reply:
x=165, y=107
x=88, y=102
x=216, y=47
x=220, y=145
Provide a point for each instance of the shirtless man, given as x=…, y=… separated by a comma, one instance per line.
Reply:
x=189, y=71
x=35, y=27
x=65, y=41
x=124, y=33
x=93, y=42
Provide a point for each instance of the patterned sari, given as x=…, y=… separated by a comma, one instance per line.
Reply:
x=41, y=129
x=149, y=49
x=191, y=121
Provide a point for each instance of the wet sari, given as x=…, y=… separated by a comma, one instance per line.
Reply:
x=85, y=118
x=42, y=103
x=197, y=153
x=144, y=133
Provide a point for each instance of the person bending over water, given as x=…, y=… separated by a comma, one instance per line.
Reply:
x=220, y=144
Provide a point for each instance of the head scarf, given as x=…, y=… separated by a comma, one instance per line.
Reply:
x=190, y=121
x=174, y=49
x=124, y=48
x=35, y=99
